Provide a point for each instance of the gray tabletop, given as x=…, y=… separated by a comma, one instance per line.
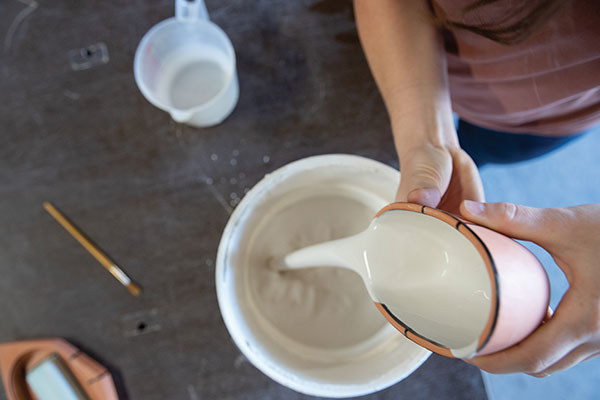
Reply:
x=135, y=182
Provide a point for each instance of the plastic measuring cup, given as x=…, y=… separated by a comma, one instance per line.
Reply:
x=186, y=66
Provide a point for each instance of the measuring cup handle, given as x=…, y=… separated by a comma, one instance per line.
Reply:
x=190, y=10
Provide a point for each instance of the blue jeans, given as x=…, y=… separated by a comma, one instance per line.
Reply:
x=489, y=146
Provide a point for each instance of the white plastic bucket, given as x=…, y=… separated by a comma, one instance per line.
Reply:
x=186, y=66
x=374, y=364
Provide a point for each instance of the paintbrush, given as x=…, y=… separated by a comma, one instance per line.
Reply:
x=98, y=254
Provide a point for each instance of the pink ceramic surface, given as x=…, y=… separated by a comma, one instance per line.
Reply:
x=523, y=290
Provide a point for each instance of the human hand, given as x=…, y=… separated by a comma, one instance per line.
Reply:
x=572, y=236
x=438, y=176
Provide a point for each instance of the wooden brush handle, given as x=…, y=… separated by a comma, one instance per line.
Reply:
x=92, y=249
x=80, y=237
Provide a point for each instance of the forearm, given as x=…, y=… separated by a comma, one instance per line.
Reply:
x=405, y=54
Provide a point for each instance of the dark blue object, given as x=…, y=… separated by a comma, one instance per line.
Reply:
x=489, y=146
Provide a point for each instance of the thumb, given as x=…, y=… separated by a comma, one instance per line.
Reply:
x=425, y=176
x=520, y=222
x=429, y=197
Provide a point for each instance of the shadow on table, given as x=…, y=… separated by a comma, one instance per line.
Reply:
x=114, y=371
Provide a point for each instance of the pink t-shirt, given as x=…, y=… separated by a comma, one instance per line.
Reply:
x=548, y=84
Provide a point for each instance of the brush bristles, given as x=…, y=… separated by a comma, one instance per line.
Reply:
x=134, y=289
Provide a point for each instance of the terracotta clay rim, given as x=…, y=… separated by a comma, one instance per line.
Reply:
x=461, y=226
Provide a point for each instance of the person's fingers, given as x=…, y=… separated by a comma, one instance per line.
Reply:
x=549, y=313
x=589, y=357
x=425, y=175
x=540, y=225
x=427, y=197
x=571, y=335
x=465, y=183
x=472, y=187
x=574, y=357
x=547, y=345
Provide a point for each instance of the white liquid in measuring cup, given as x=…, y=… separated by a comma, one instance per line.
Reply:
x=196, y=83
x=417, y=266
x=189, y=78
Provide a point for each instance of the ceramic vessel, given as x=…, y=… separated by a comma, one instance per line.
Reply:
x=504, y=289
x=16, y=358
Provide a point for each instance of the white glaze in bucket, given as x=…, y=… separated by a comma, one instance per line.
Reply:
x=357, y=364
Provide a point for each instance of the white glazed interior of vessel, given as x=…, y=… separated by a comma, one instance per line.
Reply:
x=440, y=286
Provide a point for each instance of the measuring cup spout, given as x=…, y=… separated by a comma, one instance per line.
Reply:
x=180, y=116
